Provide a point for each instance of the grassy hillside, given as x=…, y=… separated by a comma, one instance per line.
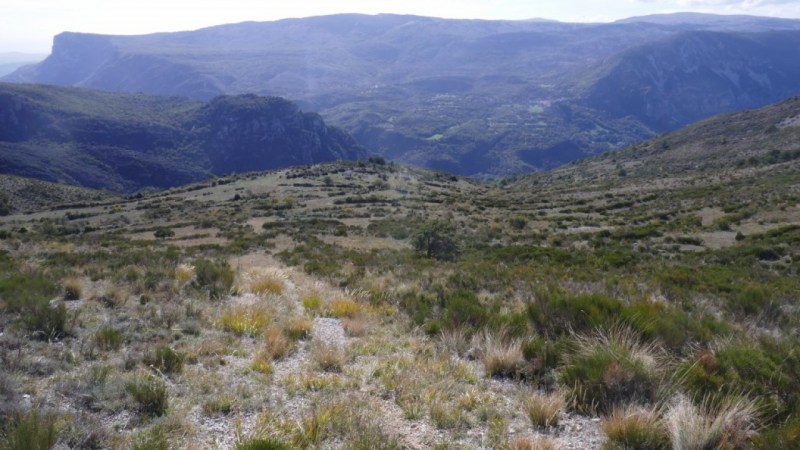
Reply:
x=635, y=300
x=18, y=195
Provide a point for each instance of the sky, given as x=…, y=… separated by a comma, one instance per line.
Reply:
x=29, y=25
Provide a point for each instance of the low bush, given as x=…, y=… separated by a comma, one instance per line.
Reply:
x=150, y=394
x=216, y=277
x=108, y=338
x=32, y=430
x=609, y=369
x=43, y=321
x=165, y=360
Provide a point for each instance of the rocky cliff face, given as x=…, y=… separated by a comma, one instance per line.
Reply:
x=244, y=131
x=125, y=142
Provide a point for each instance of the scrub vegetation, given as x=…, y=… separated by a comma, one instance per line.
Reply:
x=373, y=305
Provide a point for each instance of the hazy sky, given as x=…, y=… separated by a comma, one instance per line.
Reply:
x=29, y=25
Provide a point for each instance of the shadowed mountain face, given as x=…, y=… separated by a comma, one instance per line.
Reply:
x=125, y=142
x=698, y=74
x=468, y=96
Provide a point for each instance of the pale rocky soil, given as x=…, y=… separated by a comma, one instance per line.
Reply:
x=276, y=392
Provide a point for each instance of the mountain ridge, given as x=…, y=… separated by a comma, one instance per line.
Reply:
x=126, y=142
x=476, y=97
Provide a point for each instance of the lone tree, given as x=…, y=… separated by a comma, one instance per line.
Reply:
x=437, y=240
x=163, y=233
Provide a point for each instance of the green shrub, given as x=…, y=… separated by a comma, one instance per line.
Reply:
x=163, y=232
x=29, y=431
x=108, y=338
x=165, y=360
x=19, y=290
x=216, y=277
x=43, y=321
x=150, y=394
x=541, y=354
x=558, y=311
x=784, y=437
x=768, y=370
x=610, y=369
x=437, y=240
x=463, y=309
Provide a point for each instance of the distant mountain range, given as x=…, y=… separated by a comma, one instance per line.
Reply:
x=473, y=97
x=126, y=142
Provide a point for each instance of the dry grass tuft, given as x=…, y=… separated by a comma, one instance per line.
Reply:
x=343, y=307
x=635, y=428
x=262, y=363
x=184, y=273
x=266, y=284
x=277, y=344
x=355, y=327
x=545, y=410
x=298, y=328
x=729, y=424
x=455, y=340
x=501, y=357
x=531, y=443
x=73, y=287
x=328, y=357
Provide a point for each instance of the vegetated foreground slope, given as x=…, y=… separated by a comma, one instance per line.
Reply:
x=18, y=194
x=126, y=142
x=298, y=309
x=467, y=96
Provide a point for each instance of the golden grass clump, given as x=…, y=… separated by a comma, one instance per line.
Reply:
x=277, y=344
x=635, y=428
x=343, y=307
x=501, y=357
x=312, y=302
x=73, y=288
x=545, y=410
x=262, y=363
x=298, y=328
x=262, y=281
x=328, y=357
x=184, y=273
x=266, y=284
x=245, y=320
